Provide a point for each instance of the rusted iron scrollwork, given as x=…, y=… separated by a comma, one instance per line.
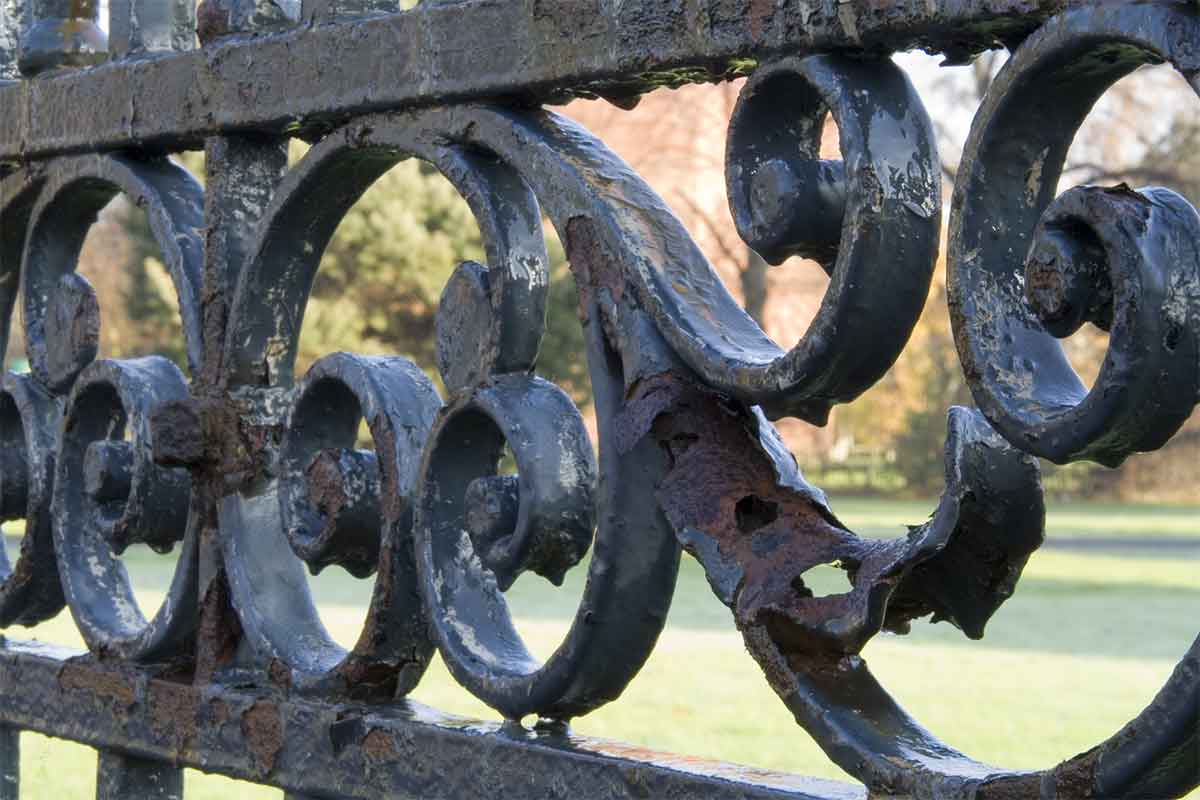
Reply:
x=251, y=475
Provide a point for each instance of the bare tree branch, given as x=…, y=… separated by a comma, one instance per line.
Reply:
x=733, y=254
x=1140, y=174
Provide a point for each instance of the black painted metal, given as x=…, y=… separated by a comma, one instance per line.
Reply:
x=400, y=751
x=10, y=763
x=110, y=408
x=119, y=776
x=1146, y=289
x=249, y=476
x=30, y=590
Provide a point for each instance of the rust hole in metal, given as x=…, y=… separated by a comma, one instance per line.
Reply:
x=754, y=513
x=823, y=580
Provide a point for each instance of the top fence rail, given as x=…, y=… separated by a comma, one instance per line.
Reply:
x=165, y=95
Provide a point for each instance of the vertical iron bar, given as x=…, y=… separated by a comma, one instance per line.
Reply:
x=219, y=18
x=242, y=175
x=330, y=10
x=10, y=763
x=144, y=26
x=63, y=33
x=14, y=18
x=122, y=777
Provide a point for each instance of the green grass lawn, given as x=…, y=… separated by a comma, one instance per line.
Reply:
x=1070, y=521
x=1082, y=647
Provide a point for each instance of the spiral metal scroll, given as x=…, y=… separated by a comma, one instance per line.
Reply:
x=1122, y=259
x=61, y=316
x=491, y=172
x=99, y=469
x=69, y=460
x=879, y=206
x=684, y=385
x=339, y=505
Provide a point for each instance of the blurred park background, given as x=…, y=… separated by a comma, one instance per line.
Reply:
x=1100, y=618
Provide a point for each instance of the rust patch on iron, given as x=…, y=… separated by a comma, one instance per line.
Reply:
x=279, y=674
x=1071, y=780
x=754, y=534
x=212, y=21
x=761, y=14
x=173, y=712
x=1018, y=787
x=378, y=745
x=262, y=726
x=179, y=435
x=110, y=685
x=326, y=488
x=212, y=436
x=590, y=260
x=369, y=679
x=391, y=500
x=220, y=631
x=1076, y=779
x=654, y=397
x=218, y=711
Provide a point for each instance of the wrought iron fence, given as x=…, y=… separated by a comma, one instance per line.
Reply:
x=249, y=474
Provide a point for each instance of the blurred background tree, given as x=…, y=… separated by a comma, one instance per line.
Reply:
x=377, y=289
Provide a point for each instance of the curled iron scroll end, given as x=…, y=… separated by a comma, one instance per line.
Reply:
x=759, y=530
x=109, y=494
x=1127, y=261
x=539, y=520
x=870, y=220
x=991, y=517
x=30, y=589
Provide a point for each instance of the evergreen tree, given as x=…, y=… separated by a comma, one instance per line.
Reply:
x=377, y=288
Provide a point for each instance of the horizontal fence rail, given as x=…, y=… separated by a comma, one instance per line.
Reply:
x=321, y=749
x=251, y=474
x=448, y=52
